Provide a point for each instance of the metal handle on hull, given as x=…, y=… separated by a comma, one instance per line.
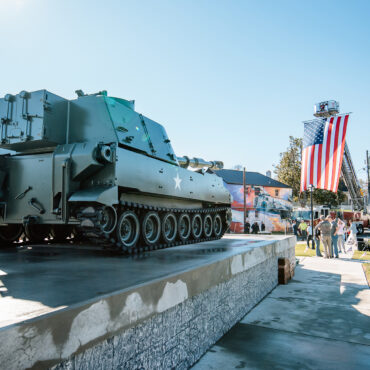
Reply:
x=34, y=204
x=21, y=195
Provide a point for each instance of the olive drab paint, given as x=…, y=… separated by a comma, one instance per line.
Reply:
x=78, y=166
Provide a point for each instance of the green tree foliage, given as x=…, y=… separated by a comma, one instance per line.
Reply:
x=288, y=171
x=328, y=197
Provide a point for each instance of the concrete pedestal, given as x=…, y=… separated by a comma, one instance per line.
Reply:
x=69, y=308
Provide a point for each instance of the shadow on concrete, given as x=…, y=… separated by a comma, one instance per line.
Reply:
x=317, y=321
x=61, y=275
x=252, y=347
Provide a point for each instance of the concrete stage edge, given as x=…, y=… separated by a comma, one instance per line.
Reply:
x=186, y=299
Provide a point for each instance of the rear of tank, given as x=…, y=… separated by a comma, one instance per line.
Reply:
x=47, y=155
x=32, y=124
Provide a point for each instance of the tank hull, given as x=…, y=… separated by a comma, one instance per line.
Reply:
x=126, y=196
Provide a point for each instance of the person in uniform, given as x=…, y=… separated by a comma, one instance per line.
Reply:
x=325, y=235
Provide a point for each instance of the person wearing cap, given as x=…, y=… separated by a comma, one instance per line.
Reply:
x=325, y=235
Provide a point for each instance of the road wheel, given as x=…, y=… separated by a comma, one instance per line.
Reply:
x=184, y=227
x=37, y=233
x=169, y=228
x=128, y=230
x=151, y=228
x=10, y=233
x=107, y=219
x=207, y=226
x=196, y=226
x=77, y=235
x=60, y=233
x=217, y=225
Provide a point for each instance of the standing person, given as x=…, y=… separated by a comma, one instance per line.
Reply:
x=309, y=236
x=303, y=228
x=317, y=241
x=325, y=235
x=295, y=228
x=340, y=234
x=334, y=237
x=298, y=230
x=247, y=227
x=255, y=228
x=263, y=227
x=352, y=239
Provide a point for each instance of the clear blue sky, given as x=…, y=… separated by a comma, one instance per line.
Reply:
x=230, y=80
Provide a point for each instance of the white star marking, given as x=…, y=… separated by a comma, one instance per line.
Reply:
x=177, y=182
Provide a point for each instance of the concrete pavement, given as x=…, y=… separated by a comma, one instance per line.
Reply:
x=40, y=279
x=320, y=320
x=79, y=308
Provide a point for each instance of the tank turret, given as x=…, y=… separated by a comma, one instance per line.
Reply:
x=95, y=167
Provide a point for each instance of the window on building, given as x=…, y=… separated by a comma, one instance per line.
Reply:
x=276, y=192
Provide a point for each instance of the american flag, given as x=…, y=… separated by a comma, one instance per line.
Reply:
x=322, y=155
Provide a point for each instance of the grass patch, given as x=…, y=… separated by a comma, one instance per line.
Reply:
x=301, y=251
x=366, y=267
x=364, y=256
x=361, y=255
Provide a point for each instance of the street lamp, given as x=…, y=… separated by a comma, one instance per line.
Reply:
x=312, y=188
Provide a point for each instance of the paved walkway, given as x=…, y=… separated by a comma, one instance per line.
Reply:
x=320, y=320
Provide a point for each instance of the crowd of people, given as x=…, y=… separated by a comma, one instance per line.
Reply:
x=331, y=232
x=255, y=228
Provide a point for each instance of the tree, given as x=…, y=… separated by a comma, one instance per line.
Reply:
x=288, y=171
x=328, y=197
x=364, y=187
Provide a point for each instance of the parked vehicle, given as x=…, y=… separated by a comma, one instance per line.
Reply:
x=94, y=166
x=360, y=218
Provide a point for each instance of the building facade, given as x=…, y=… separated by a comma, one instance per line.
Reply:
x=268, y=202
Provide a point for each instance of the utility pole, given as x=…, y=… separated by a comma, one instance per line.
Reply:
x=245, y=201
x=368, y=175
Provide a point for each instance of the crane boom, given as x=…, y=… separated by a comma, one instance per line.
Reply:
x=351, y=181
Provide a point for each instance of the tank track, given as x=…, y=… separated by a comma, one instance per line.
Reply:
x=97, y=236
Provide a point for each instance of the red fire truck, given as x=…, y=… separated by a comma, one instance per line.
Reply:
x=360, y=218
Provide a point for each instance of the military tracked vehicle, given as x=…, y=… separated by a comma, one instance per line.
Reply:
x=96, y=168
